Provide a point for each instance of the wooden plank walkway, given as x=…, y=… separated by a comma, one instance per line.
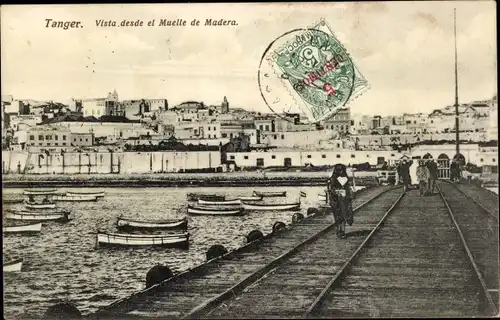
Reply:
x=179, y=295
x=488, y=199
x=288, y=290
x=480, y=229
x=416, y=266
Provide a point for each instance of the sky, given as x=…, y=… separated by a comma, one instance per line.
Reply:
x=403, y=49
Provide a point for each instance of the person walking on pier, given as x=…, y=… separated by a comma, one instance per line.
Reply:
x=340, y=196
x=405, y=173
x=433, y=170
x=423, y=176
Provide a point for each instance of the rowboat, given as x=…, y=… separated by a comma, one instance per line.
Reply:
x=29, y=216
x=31, y=205
x=39, y=192
x=12, y=266
x=271, y=207
x=128, y=224
x=12, y=201
x=75, y=198
x=98, y=194
x=219, y=203
x=25, y=228
x=253, y=198
x=270, y=194
x=134, y=240
x=208, y=197
x=215, y=211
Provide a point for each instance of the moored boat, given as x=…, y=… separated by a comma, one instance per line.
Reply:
x=203, y=196
x=271, y=206
x=39, y=192
x=25, y=228
x=219, y=203
x=98, y=194
x=75, y=198
x=129, y=224
x=270, y=194
x=62, y=216
x=31, y=205
x=215, y=211
x=12, y=201
x=133, y=240
x=253, y=198
x=13, y=265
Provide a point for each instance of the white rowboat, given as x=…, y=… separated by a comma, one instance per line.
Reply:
x=271, y=207
x=219, y=203
x=75, y=198
x=125, y=224
x=270, y=194
x=98, y=194
x=168, y=240
x=25, y=228
x=39, y=192
x=40, y=205
x=13, y=266
x=215, y=212
x=28, y=216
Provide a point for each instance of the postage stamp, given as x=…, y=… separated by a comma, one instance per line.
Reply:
x=316, y=71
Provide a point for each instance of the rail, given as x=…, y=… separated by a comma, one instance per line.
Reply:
x=475, y=201
x=208, y=305
x=472, y=261
x=319, y=300
x=327, y=289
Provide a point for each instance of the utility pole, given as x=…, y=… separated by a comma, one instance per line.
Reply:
x=457, y=130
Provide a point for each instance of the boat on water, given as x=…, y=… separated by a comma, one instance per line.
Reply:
x=215, y=211
x=205, y=196
x=39, y=192
x=134, y=240
x=13, y=265
x=12, y=201
x=129, y=224
x=63, y=216
x=75, y=198
x=34, y=205
x=270, y=194
x=271, y=206
x=98, y=194
x=25, y=228
x=219, y=203
x=252, y=198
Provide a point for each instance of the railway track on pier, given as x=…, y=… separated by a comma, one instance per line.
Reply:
x=411, y=270
x=398, y=269
x=192, y=291
x=276, y=291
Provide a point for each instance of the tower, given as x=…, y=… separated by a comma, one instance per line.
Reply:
x=225, y=105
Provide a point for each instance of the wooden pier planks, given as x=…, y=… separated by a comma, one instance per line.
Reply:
x=219, y=275
x=480, y=230
x=488, y=199
x=427, y=272
x=293, y=286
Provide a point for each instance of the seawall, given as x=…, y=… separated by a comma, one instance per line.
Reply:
x=227, y=179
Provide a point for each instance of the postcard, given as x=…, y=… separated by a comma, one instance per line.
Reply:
x=250, y=160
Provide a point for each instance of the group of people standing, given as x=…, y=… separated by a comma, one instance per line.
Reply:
x=425, y=175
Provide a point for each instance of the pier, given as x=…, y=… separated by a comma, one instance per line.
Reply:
x=404, y=256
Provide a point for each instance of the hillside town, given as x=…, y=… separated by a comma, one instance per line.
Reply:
x=108, y=124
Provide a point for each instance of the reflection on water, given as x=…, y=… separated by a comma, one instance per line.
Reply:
x=62, y=262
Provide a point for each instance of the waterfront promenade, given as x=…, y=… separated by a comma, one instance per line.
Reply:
x=404, y=256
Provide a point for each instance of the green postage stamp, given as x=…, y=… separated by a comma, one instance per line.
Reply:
x=316, y=70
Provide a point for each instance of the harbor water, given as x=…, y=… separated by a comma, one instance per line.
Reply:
x=63, y=263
